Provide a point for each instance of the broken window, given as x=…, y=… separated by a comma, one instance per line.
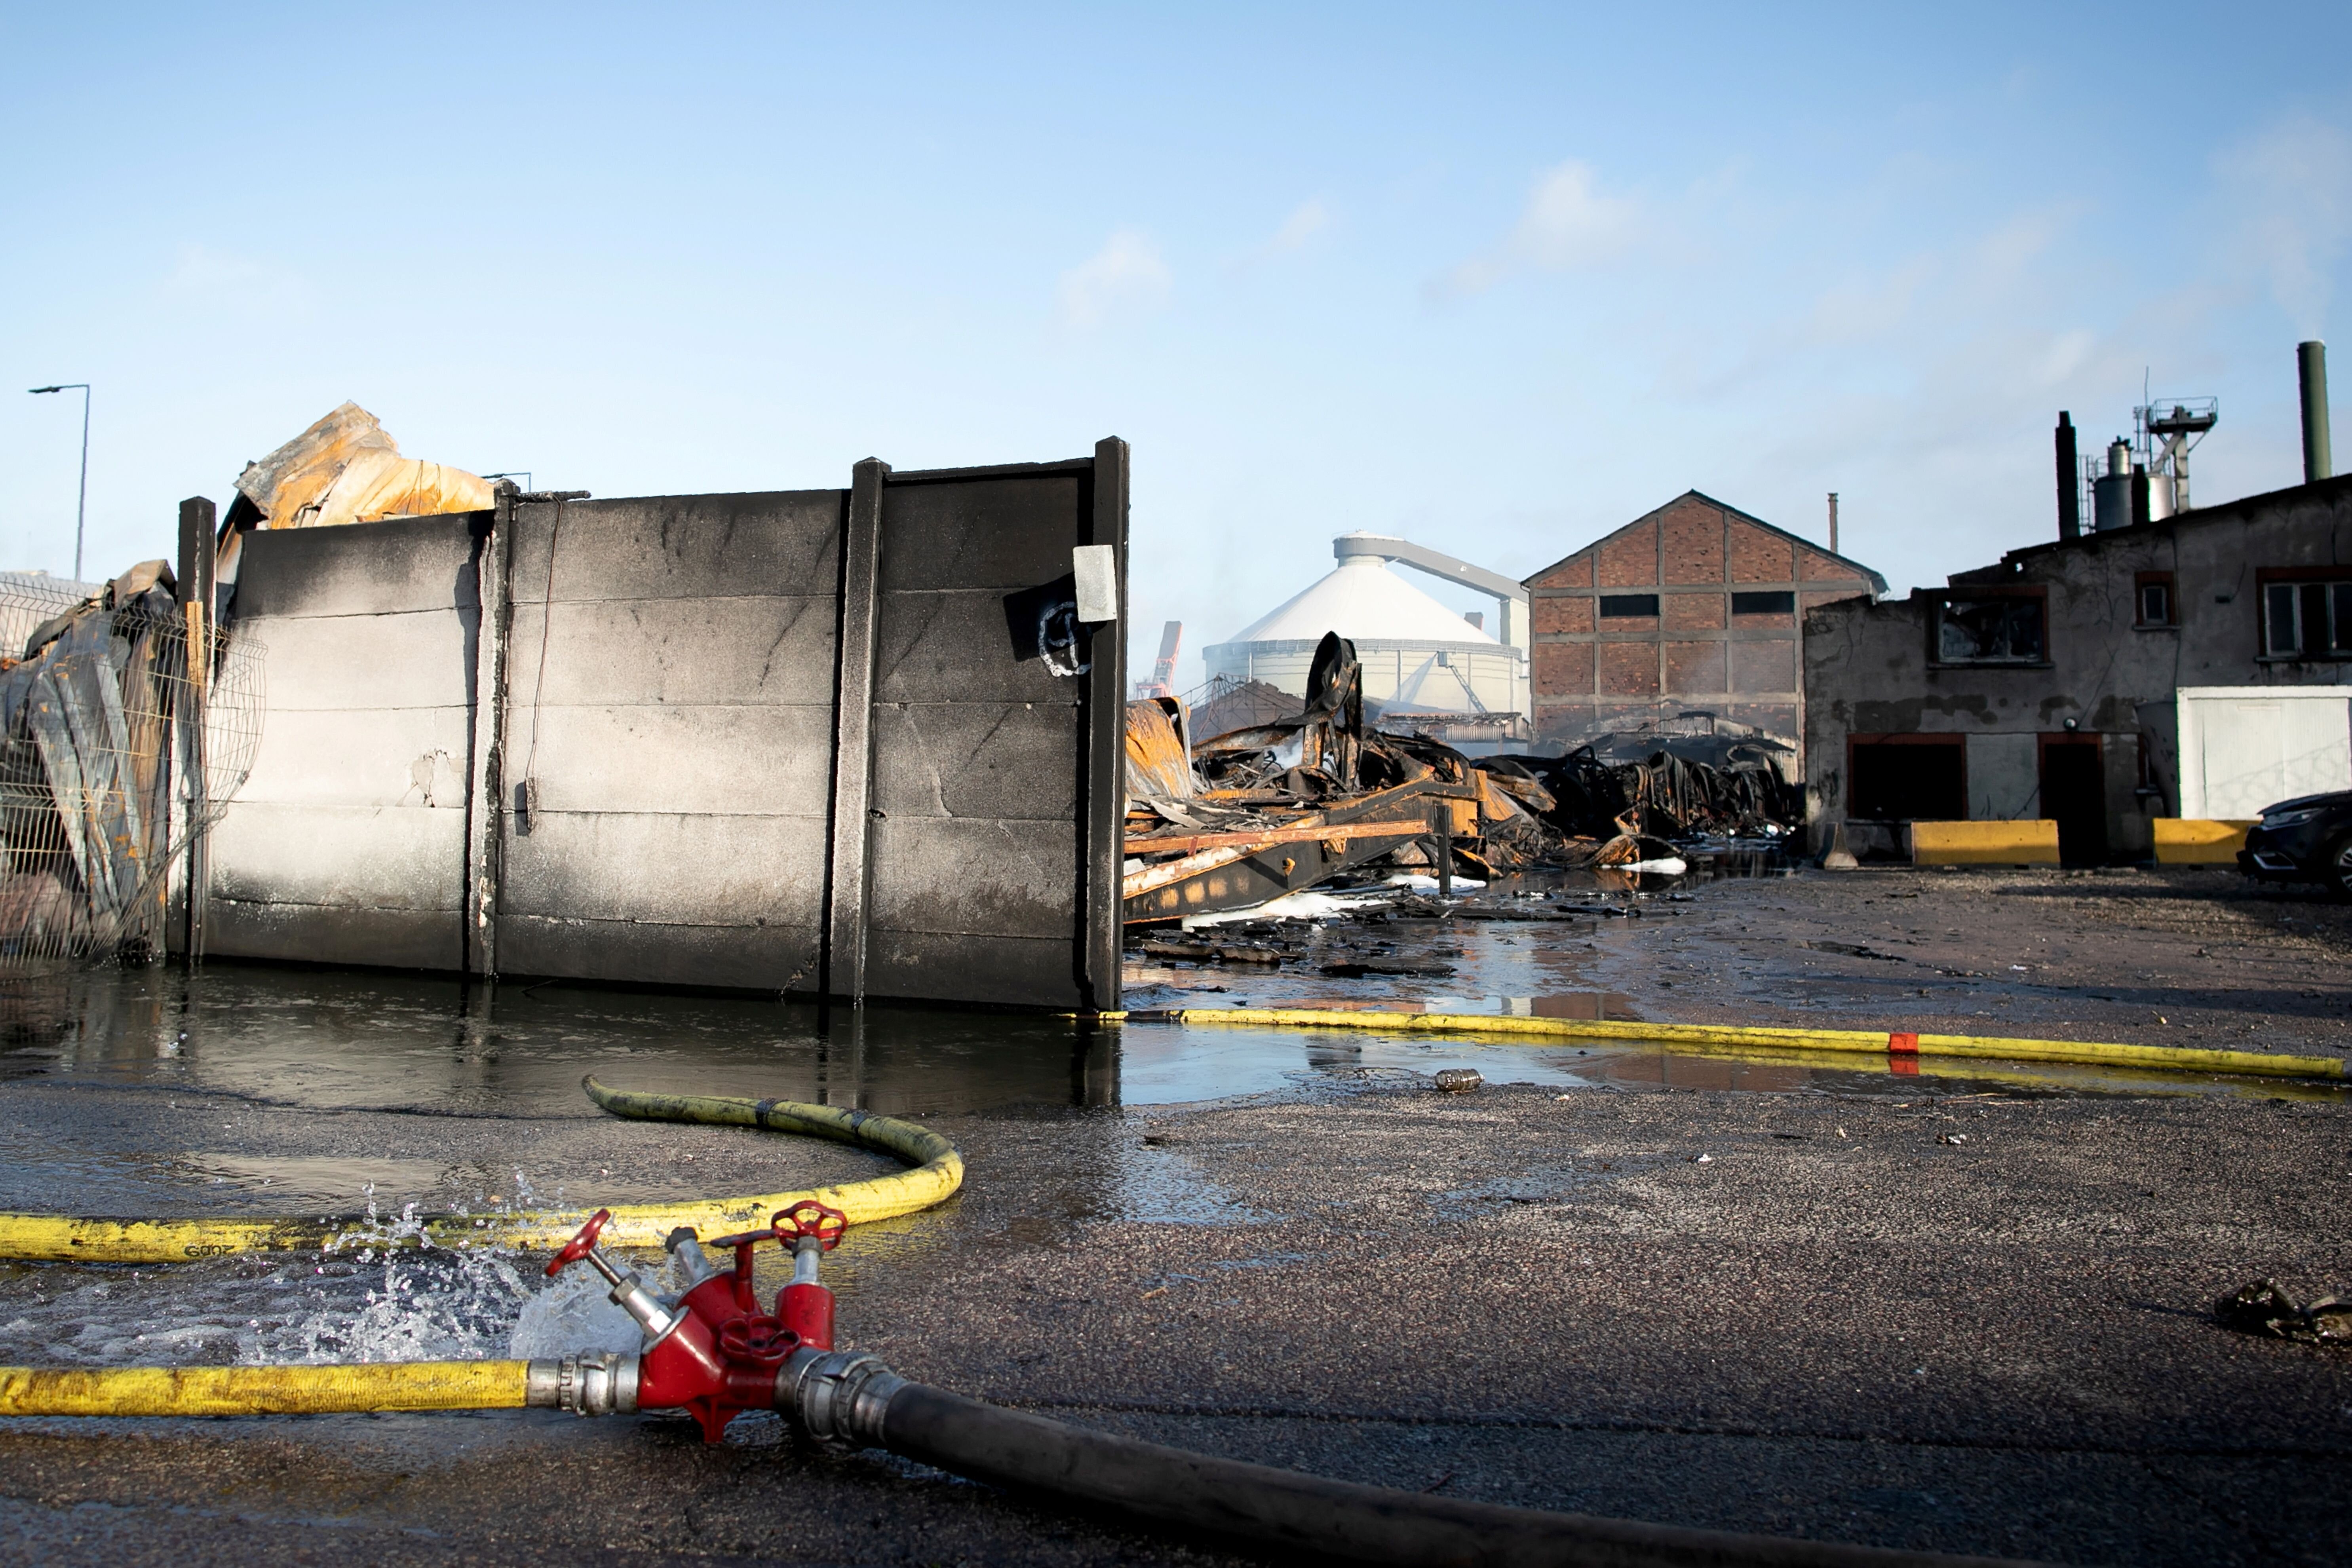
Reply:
x=2004, y=629
x=1909, y=778
x=1622, y=606
x=2307, y=620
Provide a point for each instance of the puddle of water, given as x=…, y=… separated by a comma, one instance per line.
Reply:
x=222, y=1065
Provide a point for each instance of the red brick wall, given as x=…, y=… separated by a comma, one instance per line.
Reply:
x=1562, y=616
x=1694, y=542
x=1576, y=572
x=1631, y=559
x=1629, y=669
x=1692, y=611
x=1562, y=668
x=1693, y=668
x=1759, y=557
x=1764, y=666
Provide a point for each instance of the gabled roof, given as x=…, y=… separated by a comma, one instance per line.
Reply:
x=1877, y=583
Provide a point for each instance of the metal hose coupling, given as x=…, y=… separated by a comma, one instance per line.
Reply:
x=593, y=1383
x=837, y=1396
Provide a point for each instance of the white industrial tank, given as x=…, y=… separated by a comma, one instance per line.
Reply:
x=1419, y=657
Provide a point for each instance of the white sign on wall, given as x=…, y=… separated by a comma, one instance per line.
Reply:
x=2246, y=747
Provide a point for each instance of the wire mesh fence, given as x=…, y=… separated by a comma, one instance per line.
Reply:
x=114, y=751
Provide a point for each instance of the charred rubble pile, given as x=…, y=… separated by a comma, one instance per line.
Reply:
x=1231, y=821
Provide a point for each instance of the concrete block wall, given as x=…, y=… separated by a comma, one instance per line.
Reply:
x=780, y=742
x=347, y=844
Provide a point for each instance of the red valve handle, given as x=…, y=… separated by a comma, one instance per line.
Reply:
x=810, y=1217
x=581, y=1245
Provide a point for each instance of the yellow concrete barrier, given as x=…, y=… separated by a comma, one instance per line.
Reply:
x=2024, y=842
x=2199, y=841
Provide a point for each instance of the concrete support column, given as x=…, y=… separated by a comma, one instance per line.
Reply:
x=844, y=967
x=485, y=804
x=1102, y=798
x=198, y=543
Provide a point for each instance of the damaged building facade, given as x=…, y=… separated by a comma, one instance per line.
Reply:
x=2190, y=666
x=1689, y=613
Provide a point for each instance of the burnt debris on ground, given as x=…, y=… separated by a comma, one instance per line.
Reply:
x=1236, y=820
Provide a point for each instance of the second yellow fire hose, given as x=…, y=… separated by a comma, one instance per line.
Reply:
x=937, y=1172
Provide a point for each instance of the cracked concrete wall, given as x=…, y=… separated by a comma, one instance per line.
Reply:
x=672, y=700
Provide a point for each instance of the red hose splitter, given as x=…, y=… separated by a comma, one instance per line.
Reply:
x=714, y=1353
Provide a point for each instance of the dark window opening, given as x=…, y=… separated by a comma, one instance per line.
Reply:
x=2005, y=630
x=1763, y=603
x=1899, y=781
x=2307, y=620
x=2156, y=601
x=1626, y=605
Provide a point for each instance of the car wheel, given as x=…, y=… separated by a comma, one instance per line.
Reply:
x=2336, y=866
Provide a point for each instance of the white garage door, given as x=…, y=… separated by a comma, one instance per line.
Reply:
x=2246, y=747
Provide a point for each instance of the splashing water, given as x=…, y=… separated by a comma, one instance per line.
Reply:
x=382, y=1293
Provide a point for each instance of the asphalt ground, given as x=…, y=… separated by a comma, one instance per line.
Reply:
x=1965, y=1313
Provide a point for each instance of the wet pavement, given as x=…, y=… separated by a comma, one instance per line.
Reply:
x=1766, y=1293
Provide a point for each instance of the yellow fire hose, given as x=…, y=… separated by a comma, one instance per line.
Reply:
x=263, y=1390
x=1518, y=1029
x=938, y=1172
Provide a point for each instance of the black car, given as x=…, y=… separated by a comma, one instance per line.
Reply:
x=2307, y=839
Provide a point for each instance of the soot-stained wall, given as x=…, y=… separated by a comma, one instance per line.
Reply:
x=789, y=741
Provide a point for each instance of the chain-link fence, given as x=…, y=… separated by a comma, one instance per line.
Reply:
x=104, y=728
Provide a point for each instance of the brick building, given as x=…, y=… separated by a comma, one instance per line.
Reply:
x=1691, y=609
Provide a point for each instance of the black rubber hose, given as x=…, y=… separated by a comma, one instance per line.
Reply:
x=1291, y=1512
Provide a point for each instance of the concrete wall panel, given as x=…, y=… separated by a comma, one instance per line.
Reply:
x=955, y=647
x=680, y=744
x=412, y=857
x=1008, y=971
x=680, y=547
x=768, y=649
x=366, y=937
x=739, y=761
x=410, y=658
x=649, y=952
x=984, y=535
x=372, y=757
x=982, y=876
x=359, y=569
x=939, y=759
x=696, y=869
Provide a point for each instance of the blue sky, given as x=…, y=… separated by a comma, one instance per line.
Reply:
x=1496, y=278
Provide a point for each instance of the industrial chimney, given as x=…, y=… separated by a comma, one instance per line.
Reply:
x=2311, y=370
x=2070, y=480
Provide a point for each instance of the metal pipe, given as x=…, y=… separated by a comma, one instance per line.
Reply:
x=2070, y=480
x=2311, y=372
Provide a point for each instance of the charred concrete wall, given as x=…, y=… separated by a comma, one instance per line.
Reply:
x=794, y=742
x=2111, y=659
x=1692, y=608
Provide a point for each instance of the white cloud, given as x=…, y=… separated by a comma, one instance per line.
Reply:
x=1567, y=222
x=1125, y=274
x=2292, y=189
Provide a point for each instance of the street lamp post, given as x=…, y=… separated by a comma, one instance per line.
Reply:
x=81, y=501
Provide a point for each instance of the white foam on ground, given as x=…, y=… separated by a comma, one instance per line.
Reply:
x=1306, y=906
